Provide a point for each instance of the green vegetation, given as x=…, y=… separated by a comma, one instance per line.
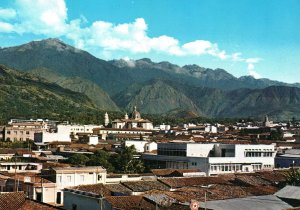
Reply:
x=123, y=162
x=293, y=177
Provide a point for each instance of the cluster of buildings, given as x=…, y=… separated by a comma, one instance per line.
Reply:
x=219, y=166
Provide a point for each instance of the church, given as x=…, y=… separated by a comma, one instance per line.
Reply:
x=133, y=121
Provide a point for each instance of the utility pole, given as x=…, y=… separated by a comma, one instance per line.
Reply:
x=15, y=174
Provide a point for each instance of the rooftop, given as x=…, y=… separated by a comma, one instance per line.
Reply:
x=143, y=186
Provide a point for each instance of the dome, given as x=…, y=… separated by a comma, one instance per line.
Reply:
x=135, y=114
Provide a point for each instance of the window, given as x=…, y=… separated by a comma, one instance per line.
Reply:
x=69, y=178
x=8, y=132
x=81, y=178
x=27, y=132
x=99, y=177
x=58, y=197
x=59, y=179
x=74, y=207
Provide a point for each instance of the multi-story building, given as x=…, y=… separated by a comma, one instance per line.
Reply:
x=73, y=176
x=213, y=158
x=23, y=131
x=20, y=167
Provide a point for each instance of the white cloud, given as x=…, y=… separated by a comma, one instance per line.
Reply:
x=6, y=27
x=254, y=74
x=251, y=65
x=129, y=62
x=42, y=17
x=50, y=18
x=7, y=13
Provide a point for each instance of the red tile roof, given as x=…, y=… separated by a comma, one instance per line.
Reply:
x=192, y=181
x=18, y=201
x=129, y=203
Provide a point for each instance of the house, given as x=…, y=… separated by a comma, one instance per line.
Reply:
x=20, y=167
x=33, y=185
x=19, y=201
x=65, y=177
x=212, y=158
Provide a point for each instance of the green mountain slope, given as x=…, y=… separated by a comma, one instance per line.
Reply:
x=100, y=98
x=156, y=98
x=25, y=95
x=67, y=61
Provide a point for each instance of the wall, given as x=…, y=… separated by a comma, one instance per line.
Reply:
x=199, y=150
x=83, y=202
x=139, y=145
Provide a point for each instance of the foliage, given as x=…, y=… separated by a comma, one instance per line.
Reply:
x=123, y=162
x=293, y=177
x=101, y=158
x=127, y=162
x=78, y=159
x=276, y=134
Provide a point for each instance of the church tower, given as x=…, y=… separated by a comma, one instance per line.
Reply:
x=126, y=116
x=106, y=119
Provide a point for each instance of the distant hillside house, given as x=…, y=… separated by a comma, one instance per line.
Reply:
x=133, y=121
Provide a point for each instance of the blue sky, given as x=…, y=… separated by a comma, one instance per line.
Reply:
x=244, y=37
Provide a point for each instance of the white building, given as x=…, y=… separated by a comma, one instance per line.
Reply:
x=213, y=158
x=20, y=167
x=45, y=137
x=73, y=176
x=63, y=133
x=93, y=140
x=141, y=146
x=74, y=129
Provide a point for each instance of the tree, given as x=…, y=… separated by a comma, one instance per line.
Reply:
x=78, y=159
x=101, y=158
x=126, y=161
x=293, y=177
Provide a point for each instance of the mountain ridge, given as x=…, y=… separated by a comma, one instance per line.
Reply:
x=157, y=88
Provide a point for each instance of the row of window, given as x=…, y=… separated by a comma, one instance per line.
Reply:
x=172, y=152
x=226, y=167
x=77, y=129
x=16, y=132
x=81, y=178
x=258, y=154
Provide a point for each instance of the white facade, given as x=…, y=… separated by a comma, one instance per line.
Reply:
x=142, y=146
x=74, y=176
x=45, y=137
x=215, y=158
x=93, y=140
x=73, y=129
x=20, y=167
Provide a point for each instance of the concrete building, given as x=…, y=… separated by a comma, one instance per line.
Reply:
x=120, y=133
x=23, y=131
x=141, y=146
x=63, y=133
x=20, y=167
x=73, y=176
x=213, y=158
x=290, y=158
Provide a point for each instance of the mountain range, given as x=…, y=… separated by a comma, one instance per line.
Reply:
x=156, y=88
